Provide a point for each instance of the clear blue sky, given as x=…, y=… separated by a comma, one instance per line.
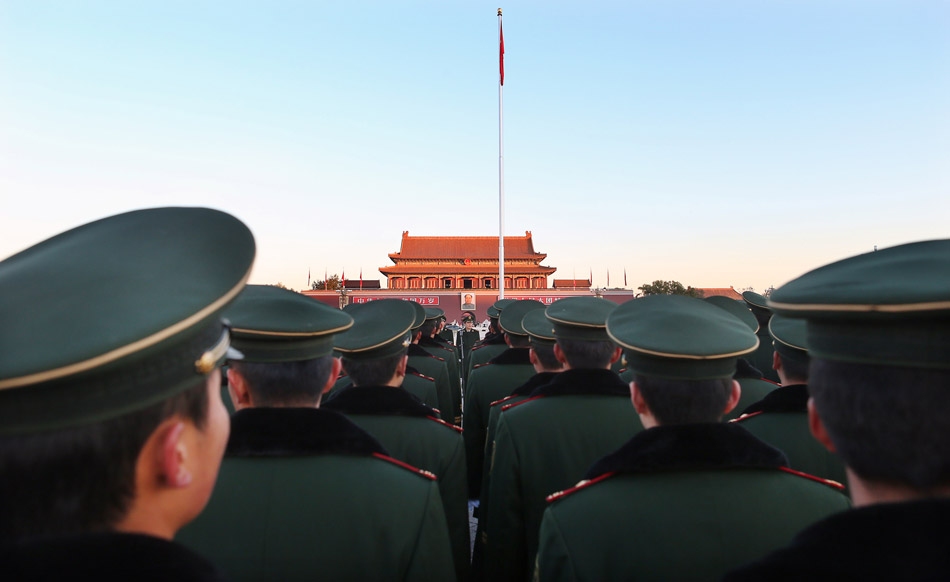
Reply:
x=728, y=143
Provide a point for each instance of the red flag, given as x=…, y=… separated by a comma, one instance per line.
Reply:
x=361, y=277
x=308, y=277
x=343, y=279
x=624, y=276
x=326, y=280
x=501, y=54
x=608, y=277
x=590, y=277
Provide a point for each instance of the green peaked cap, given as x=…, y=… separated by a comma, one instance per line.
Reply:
x=539, y=328
x=580, y=318
x=141, y=320
x=433, y=313
x=380, y=329
x=493, y=312
x=511, y=318
x=680, y=338
x=789, y=337
x=756, y=302
x=737, y=308
x=270, y=324
x=889, y=307
x=420, y=312
x=501, y=304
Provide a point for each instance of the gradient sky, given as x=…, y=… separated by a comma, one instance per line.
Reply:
x=717, y=143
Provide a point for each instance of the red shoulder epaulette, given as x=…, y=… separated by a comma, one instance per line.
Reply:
x=416, y=470
x=771, y=382
x=829, y=482
x=436, y=357
x=503, y=400
x=477, y=366
x=745, y=416
x=512, y=405
x=421, y=375
x=440, y=421
x=580, y=485
x=478, y=347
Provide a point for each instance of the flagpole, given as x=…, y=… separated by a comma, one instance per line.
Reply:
x=501, y=162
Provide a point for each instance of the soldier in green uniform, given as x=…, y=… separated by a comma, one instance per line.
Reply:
x=689, y=497
x=112, y=427
x=781, y=418
x=547, y=442
x=493, y=343
x=298, y=496
x=428, y=342
x=762, y=357
x=754, y=386
x=540, y=332
x=431, y=366
x=878, y=334
x=374, y=356
x=467, y=338
x=492, y=381
x=414, y=382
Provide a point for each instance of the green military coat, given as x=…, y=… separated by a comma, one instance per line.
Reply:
x=546, y=444
x=490, y=347
x=519, y=394
x=489, y=382
x=686, y=502
x=305, y=494
x=448, y=355
x=761, y=358
x=781, y=420
x=435, y=368
x=411, y=433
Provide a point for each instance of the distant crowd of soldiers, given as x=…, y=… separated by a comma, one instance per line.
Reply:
x=164, y=420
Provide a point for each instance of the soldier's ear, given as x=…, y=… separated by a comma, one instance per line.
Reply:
x=560, y=355
x=334, y=375
x=401, y=368
x=639, y=403
x=817, y=427
x=776, y=361
x=174, y=455
x=734, y=397
x=238, y=390
x=616, y=357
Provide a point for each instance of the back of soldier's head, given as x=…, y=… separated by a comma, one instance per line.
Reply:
x=89, y=376
x=580, y=326
x=878, y=337
x=683, y=354
x=286, y=345
x=373, y=349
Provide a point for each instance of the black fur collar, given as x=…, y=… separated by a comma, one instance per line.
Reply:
x=534, y=382
x=105, y=556
x=284, y=432
x=418, y=350
x=884, y=541
x=584, y=381
x=744, y=369
x=690, y=447
x=380, y=400
x=793, y=398
x=512, y=357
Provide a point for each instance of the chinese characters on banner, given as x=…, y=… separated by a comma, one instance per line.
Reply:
x=545, y=300
x=419, y=300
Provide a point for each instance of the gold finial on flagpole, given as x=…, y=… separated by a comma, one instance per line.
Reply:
x=499, y=12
